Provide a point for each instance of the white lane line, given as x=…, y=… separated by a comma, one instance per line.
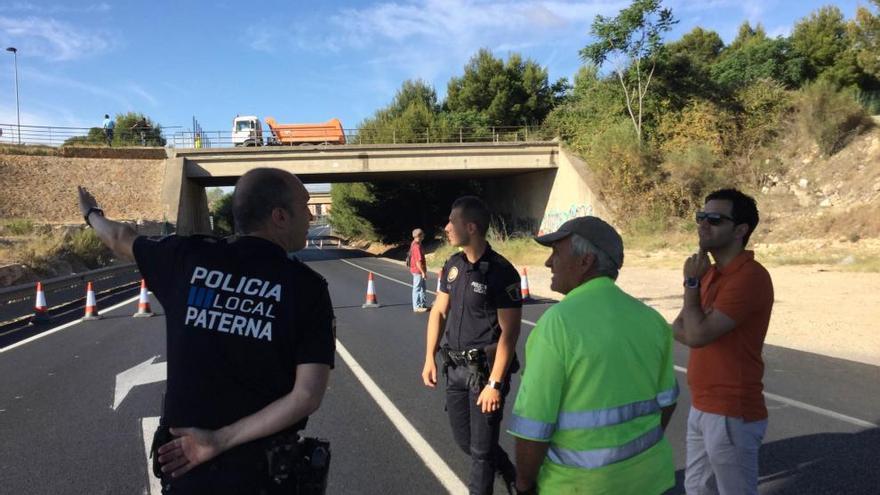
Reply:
x=785, y=400
x=149, y=425
x=428, y=455
x=808, y=407
x=66, y=325
x=386, y=277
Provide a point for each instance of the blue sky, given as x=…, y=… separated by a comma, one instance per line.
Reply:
x=297, y=61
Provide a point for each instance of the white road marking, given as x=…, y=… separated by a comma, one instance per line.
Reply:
x=779, y=398
x=139, y=374
x=62, y=327
x=430, y=457
x=808, y=407
x=149, y=425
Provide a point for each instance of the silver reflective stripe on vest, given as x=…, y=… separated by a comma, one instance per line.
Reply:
x=668, y=397
x=596, y=458
x=597, y=418
x=531, y=428
x=606, y=417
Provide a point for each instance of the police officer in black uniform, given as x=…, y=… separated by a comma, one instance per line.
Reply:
x=250, y=338
x=480, y=304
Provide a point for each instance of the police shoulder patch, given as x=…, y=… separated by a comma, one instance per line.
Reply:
x=453, y=274
x=514, y=292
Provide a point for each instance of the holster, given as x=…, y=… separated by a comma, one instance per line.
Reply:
x=161, y=436
x=305, y=459
x=492, y=349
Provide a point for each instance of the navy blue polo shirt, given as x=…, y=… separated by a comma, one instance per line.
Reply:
x=476, y=292
x=240, y=317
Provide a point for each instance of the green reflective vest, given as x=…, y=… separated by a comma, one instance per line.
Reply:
x=599, y=368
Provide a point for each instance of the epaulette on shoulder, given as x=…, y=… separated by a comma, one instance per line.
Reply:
x=207, y=238
x=308, y=271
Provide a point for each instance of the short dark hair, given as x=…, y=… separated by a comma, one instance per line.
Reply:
x=744, y=210
x=473, y=210
x=257, y=193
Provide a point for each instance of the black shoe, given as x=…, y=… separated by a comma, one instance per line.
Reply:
x=508, y=476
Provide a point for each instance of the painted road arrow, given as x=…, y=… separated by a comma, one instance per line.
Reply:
x=141, y=374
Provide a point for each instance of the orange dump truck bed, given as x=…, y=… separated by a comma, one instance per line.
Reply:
x=326, y=132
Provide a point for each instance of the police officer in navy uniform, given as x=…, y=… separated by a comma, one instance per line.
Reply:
x=250, y=335
x=479, y=306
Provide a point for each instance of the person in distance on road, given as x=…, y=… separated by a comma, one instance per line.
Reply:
x=250, y=341
x=477, y=312
x=724, y=321
x=599, y=386
x=419, y=270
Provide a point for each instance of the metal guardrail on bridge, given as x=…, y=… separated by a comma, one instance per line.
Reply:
x=57, y=135
x=497, y=134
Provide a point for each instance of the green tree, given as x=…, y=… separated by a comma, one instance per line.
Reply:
x=636, y=36
x=136, y=129
x=702, y=47
x=594, y=104
x=511, y=93
x=220, y=206
x=759, y=57
x=406, y=119
x=821, y=39
x=684, y=70
x=94, y=137
x=865, y=35
x=348, y=199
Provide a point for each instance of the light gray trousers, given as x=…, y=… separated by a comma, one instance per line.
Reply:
x=722, y=454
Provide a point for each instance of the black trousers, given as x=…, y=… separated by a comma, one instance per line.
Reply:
x=474, y=432
x=241, y=471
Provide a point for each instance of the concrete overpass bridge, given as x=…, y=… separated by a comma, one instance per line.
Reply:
x=538, y=183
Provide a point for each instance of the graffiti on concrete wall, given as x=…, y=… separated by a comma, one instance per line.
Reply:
x=554, y=218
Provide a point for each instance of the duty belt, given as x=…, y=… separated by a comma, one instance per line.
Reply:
x=464, y=358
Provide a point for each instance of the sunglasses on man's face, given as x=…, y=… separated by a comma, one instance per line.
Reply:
x=712, y=218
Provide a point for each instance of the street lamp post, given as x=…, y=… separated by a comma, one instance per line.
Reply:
x=17, y=104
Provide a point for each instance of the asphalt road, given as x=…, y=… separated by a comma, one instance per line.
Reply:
x=60, y=433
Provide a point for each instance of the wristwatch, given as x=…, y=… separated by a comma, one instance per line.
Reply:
x=93, y=209
x=494, y=384
x=692, y=282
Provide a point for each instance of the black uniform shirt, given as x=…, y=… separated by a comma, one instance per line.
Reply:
x=240, y=317
x=476, y=292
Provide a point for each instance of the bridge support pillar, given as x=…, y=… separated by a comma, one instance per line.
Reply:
x=184, y=200
x=539, y=202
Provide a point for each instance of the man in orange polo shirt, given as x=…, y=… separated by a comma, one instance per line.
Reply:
x=724, y=321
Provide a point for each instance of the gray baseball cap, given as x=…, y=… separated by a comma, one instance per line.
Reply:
x=593, y=229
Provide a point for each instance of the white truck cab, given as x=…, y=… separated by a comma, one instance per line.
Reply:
x=247, y=131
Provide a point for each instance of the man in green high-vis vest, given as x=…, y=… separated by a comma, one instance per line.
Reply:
x=599, y=386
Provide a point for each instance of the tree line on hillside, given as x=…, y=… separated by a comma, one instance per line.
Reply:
x=658, y=122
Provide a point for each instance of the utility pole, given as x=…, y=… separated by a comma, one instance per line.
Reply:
x=17, y=104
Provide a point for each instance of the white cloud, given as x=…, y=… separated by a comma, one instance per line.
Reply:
x=51, y=39
x=138, y=90
x=93, y=89
x=55, y=9
x=436, y=25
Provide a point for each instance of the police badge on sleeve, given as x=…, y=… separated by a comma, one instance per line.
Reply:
x=514, y=292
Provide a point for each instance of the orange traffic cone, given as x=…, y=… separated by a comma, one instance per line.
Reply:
x=144, y=302
x=524, y=285
x=41, y=311
x=91, y=304
x=372, y=301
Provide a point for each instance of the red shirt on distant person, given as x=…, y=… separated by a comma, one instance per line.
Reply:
x=416, y=257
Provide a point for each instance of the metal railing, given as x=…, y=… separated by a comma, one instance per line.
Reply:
x=18, y=301
x=57, y=135
x=497, y=134
x=174, y=136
